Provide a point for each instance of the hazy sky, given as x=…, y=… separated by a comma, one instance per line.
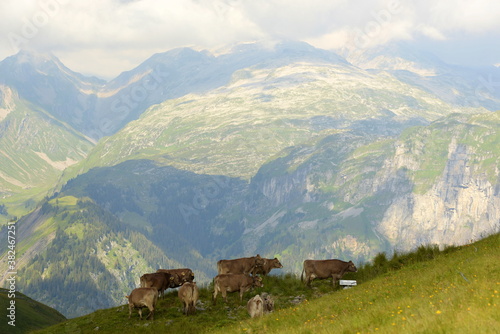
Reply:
x=106, y=37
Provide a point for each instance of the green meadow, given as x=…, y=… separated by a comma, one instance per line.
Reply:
x=454, y=290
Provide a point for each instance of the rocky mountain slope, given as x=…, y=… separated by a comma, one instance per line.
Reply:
x=35, y=148
x=459, y=85
x=234, y=129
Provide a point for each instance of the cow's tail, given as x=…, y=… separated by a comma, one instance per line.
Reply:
x=302, y=275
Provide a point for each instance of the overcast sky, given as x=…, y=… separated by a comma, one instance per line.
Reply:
x=106, y=37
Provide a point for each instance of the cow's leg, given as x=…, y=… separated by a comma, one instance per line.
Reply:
x=335, y=278
x=140, y=313
x=224, y=295
x=130, y=307
x=214, y=296
x=151, y=313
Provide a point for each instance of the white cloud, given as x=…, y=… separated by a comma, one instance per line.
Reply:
x=430, y=31
x=108, y=36
x=464, y=15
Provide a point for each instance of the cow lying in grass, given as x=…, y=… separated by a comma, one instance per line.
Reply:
x=255, y=307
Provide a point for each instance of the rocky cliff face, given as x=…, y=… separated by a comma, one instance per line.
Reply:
x=463, y=205
x=6, y=101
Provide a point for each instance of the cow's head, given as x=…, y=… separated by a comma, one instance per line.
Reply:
x=276, y=263
x=259, y=261
x=171, y=281
x=257, y=282
x=351, y=267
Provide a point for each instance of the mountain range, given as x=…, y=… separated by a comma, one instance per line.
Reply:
x=284, y=150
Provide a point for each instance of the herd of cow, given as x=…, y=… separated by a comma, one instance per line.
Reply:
x=236, y=275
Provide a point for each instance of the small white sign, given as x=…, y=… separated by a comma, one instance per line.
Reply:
x=347, y=282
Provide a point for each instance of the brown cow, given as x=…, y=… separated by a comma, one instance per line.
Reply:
x=268, y=302
x=269, y=264
x=255, y=307
x=143, y=297
x=225, y=283
x=323, y=269
x=188, y=294
x=244, y=265
x=179, y=276
x=160, y=281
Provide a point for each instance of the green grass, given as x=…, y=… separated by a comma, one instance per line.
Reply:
x=429, y=291
x=30, y=314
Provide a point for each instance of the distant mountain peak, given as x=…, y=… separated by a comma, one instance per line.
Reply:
x=28, y=62
x=243, y=47
x=177, y=54
x=395, y=56
x=274, y=48
x=39, y=60
x=33, y=57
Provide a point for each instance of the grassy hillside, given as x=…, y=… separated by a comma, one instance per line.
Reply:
x=453, y=291
x=30, y=314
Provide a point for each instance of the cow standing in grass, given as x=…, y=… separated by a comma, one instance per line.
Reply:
x=143, y=297
x=232, y=283
x=323, y=269
x=179, y=276
x=160, y=281
x=244, y=265
x=188, y=294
